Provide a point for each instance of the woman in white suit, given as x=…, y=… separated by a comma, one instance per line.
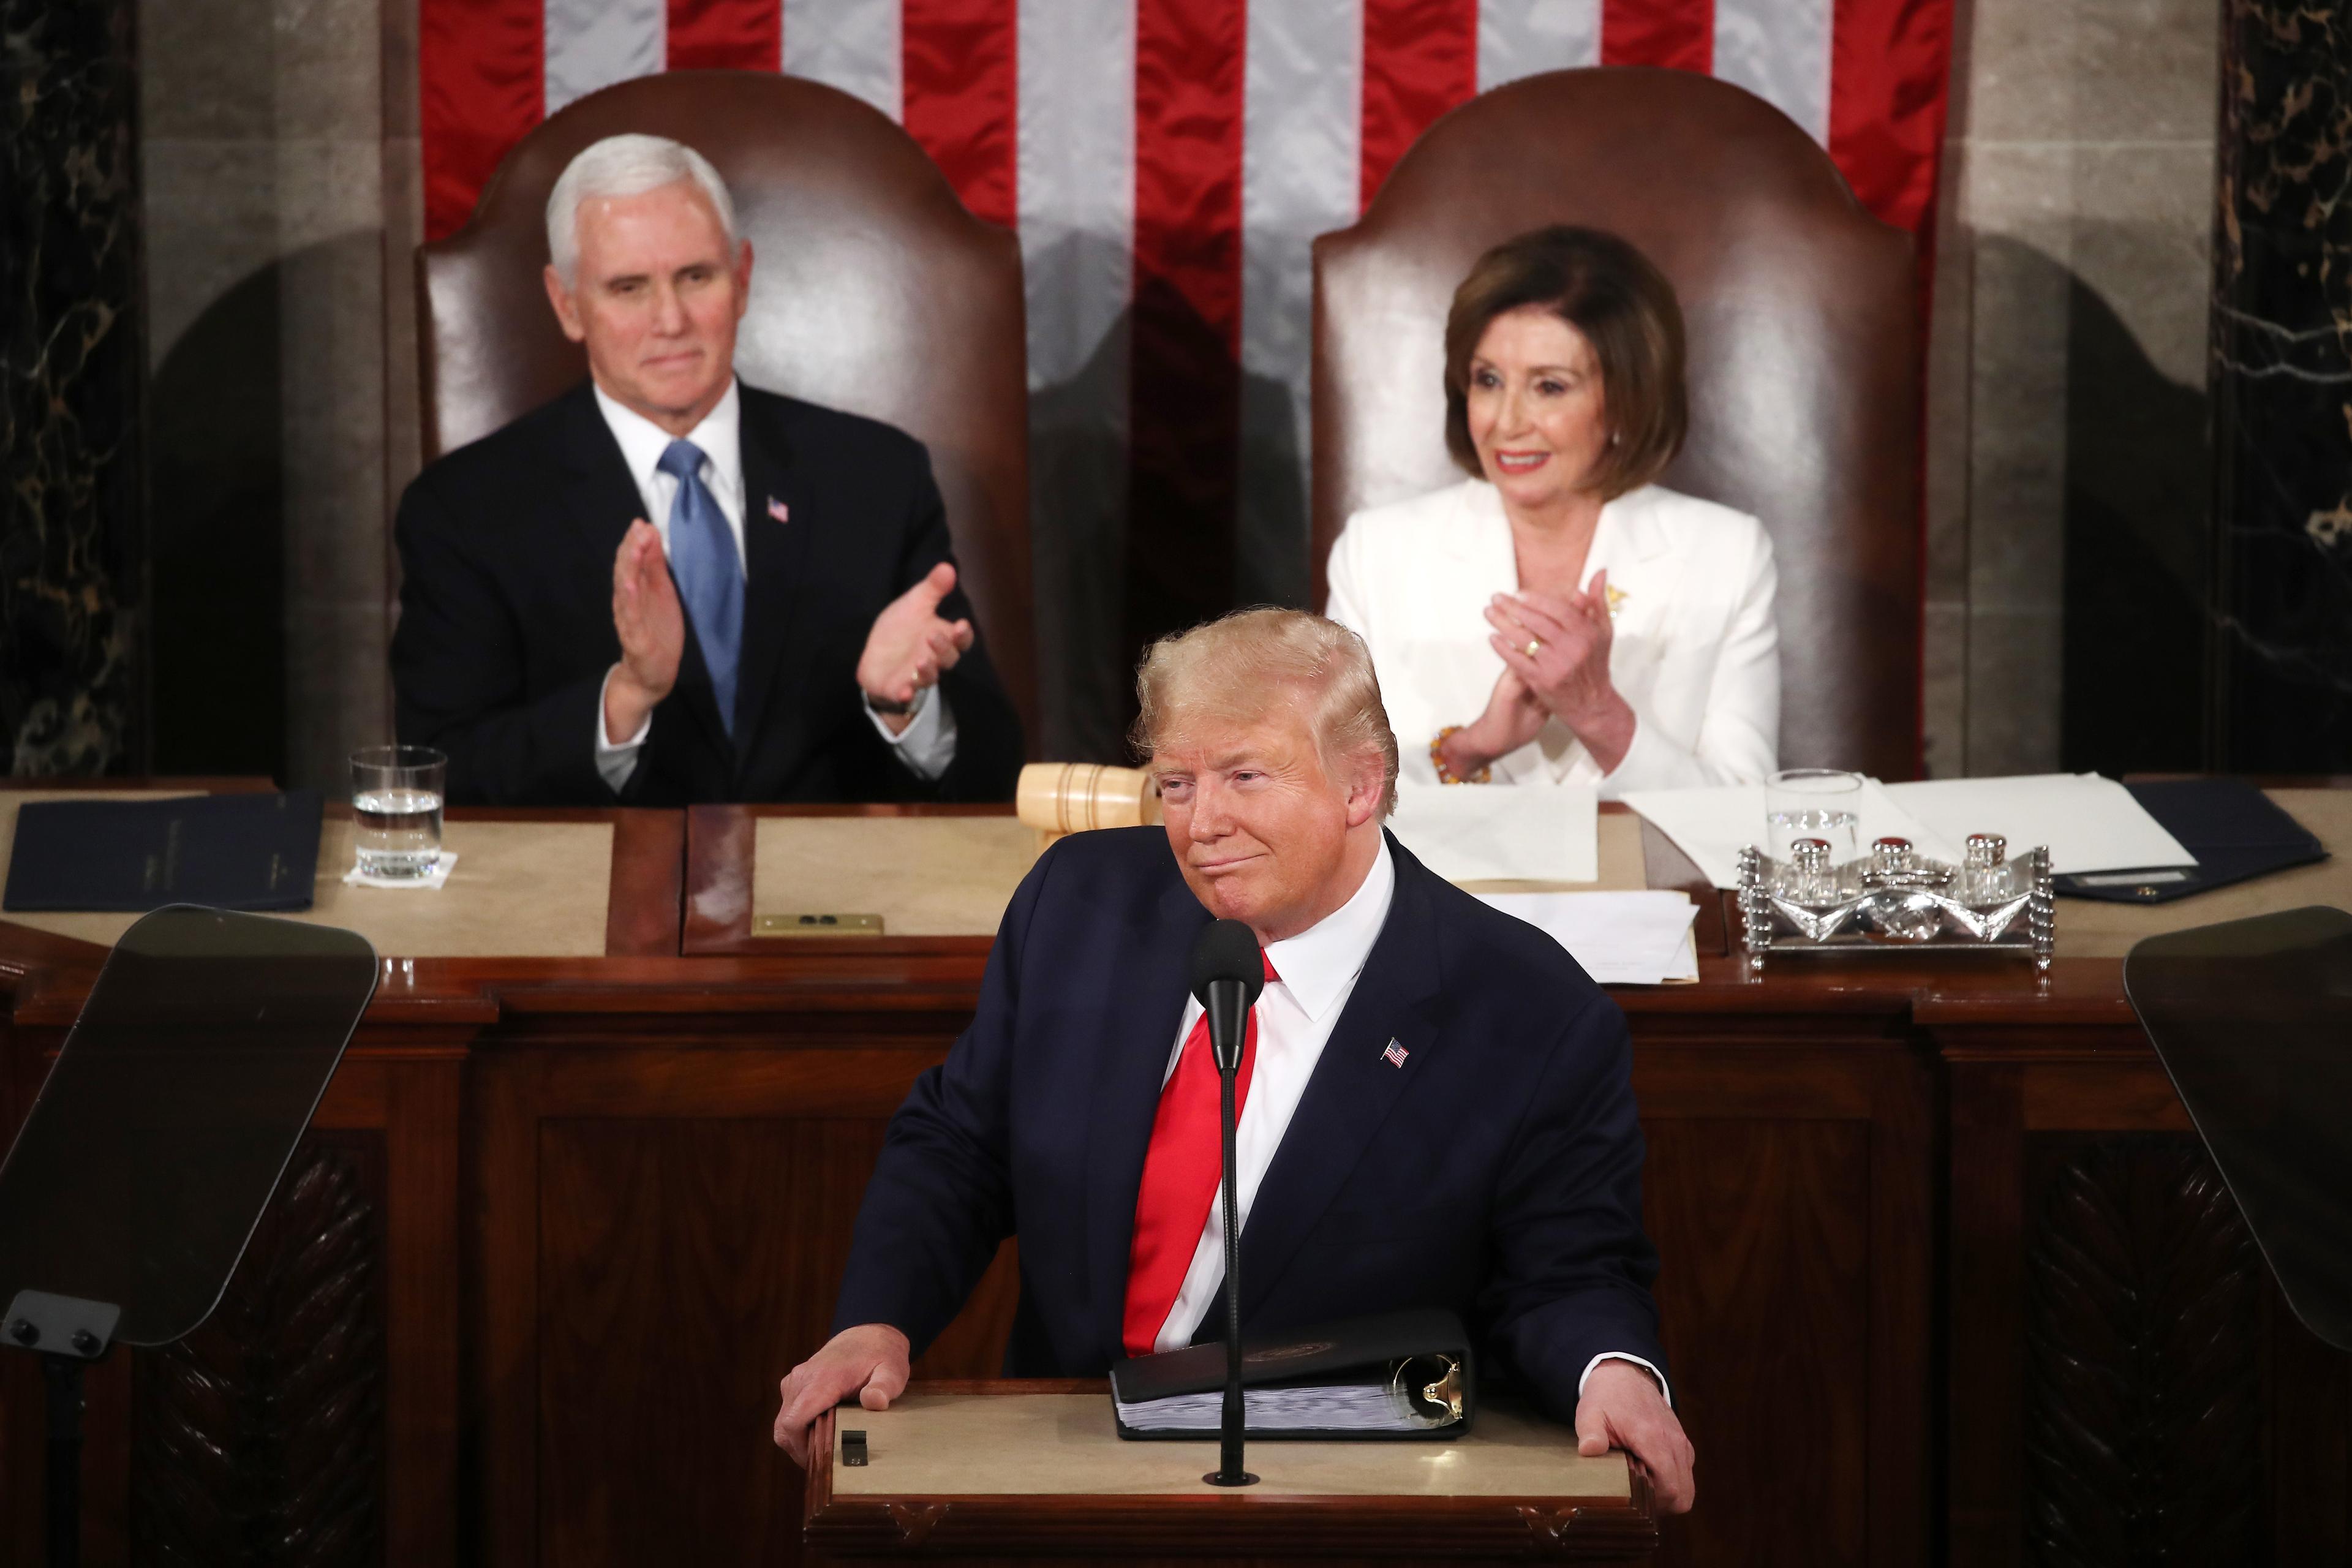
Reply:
x=1559, y=617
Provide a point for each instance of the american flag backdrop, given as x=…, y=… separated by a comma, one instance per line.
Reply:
x=1167, y=165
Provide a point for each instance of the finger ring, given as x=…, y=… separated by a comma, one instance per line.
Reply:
x=1533, y=644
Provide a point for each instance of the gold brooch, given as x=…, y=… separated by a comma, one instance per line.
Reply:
x=1616, y=597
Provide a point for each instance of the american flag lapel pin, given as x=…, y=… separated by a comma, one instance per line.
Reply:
x=779, y=510
x=1394, y=1056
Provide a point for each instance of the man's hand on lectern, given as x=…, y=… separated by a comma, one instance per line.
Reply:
x=869, y=1361
x=1621, y=1408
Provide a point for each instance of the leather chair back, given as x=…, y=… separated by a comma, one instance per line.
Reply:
x=872, y=289
x=1804, y=353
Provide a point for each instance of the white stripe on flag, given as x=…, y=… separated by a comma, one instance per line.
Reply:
x=849, y=44
x=1074, y=182
x=592, y=44
x=1778, y=50
x=1302, y=119
x=1521, y=38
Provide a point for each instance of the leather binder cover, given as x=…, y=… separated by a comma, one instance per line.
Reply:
x=229, y=851
x=1333, y=1353
x=2236, y=832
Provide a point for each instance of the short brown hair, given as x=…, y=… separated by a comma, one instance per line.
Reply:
x=1241, y=667
x=1623, y=304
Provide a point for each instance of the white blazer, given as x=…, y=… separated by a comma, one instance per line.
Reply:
x=1694, y=649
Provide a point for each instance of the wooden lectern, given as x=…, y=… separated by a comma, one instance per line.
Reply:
x=1010, y=1471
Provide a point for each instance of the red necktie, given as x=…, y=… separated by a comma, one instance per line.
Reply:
x=1180, y=1171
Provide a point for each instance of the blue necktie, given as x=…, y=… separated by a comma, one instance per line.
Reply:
x=709, y=575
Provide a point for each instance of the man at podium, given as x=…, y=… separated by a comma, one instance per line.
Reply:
x=1435, y=1107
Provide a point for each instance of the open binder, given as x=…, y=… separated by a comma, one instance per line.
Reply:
x=1397, y=1376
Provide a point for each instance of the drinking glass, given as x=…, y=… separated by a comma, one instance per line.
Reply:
x=1814, y=803
x=396, y=800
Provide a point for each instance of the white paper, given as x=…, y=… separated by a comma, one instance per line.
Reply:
x=355, y=877
x=1471, y=833
x=2091, y=824
x=1713, y=825
x=1620, y=938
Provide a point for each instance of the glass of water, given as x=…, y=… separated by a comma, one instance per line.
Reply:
x=1814, y=803
x=396, y=799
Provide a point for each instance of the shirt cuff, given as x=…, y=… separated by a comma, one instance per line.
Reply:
x=1637, y=1361
x=927, y=745
x=614, y=763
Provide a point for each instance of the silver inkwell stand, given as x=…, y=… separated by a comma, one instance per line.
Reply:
x=1897, y=900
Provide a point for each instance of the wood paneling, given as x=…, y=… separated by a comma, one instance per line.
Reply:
x=707, y=1252
x=615, y=1195
x=261, y=1436
x=1764, y=1228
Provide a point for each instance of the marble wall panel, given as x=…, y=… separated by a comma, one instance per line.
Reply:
x=2283, y=387
x=72, y=367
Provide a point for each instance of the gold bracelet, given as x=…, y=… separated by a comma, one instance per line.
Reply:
x=1437, y=761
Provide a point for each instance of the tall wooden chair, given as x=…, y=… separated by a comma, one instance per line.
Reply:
x=1804, y=353
x=872, y=289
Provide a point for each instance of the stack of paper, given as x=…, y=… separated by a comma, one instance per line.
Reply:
x=2091, y=824
x=1536, y=833
x=1711, y=825
x=1620, y=938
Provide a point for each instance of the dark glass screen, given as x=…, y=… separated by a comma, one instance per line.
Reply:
x=173, y=1109
x=2253, y=1020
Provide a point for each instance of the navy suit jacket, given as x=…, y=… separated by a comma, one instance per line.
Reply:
x=1498, y=1172
x=506, y=618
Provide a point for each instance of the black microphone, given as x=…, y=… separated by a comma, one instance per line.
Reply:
x=1228, y=973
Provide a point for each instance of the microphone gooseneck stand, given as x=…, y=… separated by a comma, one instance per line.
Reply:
x=1229, y=1471
x=1228, y=973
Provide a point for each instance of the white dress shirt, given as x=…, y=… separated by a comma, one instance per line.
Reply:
x=927, y=745
x=1694, y=647
x=1295, y=1016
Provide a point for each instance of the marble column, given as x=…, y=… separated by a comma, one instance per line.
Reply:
x=71, y=369
x=2282, y=389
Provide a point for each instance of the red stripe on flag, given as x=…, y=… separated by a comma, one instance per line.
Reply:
x=725, y=35
x=1184, y=334
x=1889, y=64
x=1420, y=58
x=480, y=86
x=961, y=85
x=1676, y=34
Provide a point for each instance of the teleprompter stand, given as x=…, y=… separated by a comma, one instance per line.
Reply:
x=2252, y=1019
x=157, y=1140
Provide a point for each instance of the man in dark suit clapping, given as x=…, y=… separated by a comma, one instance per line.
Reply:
x=666, y=586
x=1434, y=1102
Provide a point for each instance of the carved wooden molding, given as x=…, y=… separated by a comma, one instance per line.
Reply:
x=259, y=1439
x=2143, y=1327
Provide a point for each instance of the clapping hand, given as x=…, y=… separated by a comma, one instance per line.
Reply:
x=652, y=628
x=910, y=645
x=1558, y=647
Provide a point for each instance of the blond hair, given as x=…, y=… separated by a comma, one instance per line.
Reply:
x=1243, y=667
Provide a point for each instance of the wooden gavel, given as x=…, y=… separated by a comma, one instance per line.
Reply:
x=1058, y=799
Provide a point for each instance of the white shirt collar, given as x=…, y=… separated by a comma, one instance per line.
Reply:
x=1319, y=965
x=643, y=442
